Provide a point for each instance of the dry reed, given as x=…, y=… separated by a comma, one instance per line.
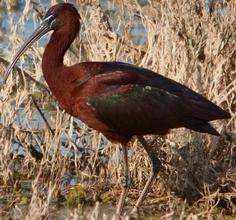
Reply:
x=192, y=42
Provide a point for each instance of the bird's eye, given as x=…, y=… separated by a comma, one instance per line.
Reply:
x=54, y=23
x=50, y=19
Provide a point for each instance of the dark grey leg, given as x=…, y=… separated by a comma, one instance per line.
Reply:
x=155, y=167
x=126, y=182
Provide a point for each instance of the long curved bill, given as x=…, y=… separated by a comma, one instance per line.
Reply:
x=44, y=27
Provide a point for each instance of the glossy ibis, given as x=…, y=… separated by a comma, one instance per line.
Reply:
x=117, y=99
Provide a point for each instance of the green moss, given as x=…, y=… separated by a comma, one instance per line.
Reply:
x=24, y=200
x=76, y=195
x=38, y=95
x=108, y=198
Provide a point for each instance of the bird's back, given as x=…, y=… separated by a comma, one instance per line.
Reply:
x=136, y=101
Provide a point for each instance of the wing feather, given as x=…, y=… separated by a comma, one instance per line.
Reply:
x=144, y=110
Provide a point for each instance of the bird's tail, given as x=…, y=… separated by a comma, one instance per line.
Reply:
x=203, y=127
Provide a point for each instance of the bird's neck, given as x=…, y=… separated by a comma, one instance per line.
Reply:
x=54, y=53
x=55, y=72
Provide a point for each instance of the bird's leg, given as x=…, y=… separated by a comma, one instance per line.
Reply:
x=126, y=182
x=155, y=167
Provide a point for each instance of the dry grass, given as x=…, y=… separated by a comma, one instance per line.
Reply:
x=192, y=42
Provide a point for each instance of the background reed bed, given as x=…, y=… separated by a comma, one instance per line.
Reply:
x=64, y=169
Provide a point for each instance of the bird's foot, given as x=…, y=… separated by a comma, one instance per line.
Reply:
x=131, y=215
x=134, y=211
x=117, y=217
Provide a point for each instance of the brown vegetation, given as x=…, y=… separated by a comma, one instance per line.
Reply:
x=192, y=42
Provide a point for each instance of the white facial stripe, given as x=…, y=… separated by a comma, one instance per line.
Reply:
x=48, y=18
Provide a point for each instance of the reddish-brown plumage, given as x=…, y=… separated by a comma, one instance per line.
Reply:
x=118, y=99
